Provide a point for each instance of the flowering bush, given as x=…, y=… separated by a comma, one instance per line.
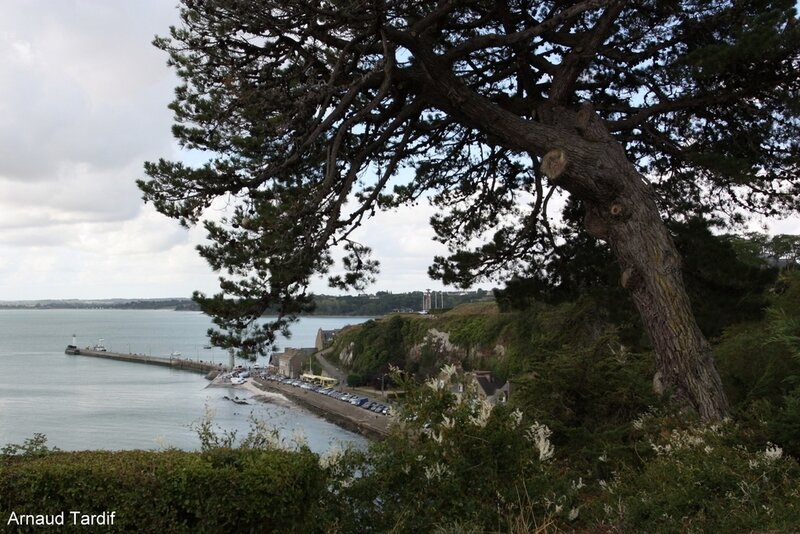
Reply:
x=702, y=478
x=455, y=459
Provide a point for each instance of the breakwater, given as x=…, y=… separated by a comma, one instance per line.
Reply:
x=174, y=362
x=343, y=414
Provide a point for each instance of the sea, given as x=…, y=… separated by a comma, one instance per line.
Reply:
x=82, y=403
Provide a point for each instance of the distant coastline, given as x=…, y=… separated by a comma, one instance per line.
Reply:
x=362, y=305
x=178, y=304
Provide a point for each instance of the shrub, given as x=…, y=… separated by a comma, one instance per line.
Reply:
x=222, y=490
x=698, y=478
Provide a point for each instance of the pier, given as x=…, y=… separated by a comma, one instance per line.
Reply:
x=176, y=363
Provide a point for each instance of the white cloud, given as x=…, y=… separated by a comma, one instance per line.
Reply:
x=83, y=98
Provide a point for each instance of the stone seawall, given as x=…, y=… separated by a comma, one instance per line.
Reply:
x=176, y=363
x=340, y=413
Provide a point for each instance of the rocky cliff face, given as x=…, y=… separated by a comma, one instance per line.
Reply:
x=423, y=345
x=437, y=343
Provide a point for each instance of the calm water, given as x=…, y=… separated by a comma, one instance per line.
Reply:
x=88, y=403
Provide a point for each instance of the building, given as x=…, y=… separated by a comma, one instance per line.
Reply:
x=290, y=361
x=487, y=386
x=325, y=338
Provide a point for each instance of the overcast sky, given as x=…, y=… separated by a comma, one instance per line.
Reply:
x=83, y=98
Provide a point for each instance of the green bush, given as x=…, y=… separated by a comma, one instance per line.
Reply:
x=451, y=462
x=223, y=490
x=355, y=380
x=697, y=478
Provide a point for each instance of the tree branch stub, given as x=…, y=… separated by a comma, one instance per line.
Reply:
x=554, y=163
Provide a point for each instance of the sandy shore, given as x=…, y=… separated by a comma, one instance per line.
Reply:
x=345, y=415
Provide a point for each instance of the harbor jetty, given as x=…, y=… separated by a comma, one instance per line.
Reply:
x=174, y=362
x=352, y=418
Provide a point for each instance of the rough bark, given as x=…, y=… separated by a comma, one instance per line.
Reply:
x=651, y=270
x=584, y=159
x=626, y=215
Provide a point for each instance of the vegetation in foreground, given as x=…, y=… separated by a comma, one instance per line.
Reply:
x=583, y=446
x=458, y=466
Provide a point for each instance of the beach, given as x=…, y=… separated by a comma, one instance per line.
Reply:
x=343, y=414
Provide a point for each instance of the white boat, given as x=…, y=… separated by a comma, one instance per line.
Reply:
x=236, y=381
x=99, y=347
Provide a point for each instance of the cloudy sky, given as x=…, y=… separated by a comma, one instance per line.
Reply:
x=83, y=98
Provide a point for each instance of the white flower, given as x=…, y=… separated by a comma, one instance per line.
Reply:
x=332, y=457
x=516, y=417
x=573, y=514
x=539, y=435
x=484, y=411
x=661, y=450
x=447, y=422
x=772, y=453
x=578, y=485
x=435, y=384
x=447, y=372
x=438, y=470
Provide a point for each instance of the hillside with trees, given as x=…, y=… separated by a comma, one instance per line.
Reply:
x=656, y=367
x=582, y=445
x=641, y=113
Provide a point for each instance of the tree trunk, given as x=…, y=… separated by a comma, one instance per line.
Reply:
x=583, y=158
x=651, y=270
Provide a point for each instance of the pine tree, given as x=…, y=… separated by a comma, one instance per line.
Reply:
x=638, y=109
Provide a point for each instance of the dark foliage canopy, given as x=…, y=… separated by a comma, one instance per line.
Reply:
x=725, y=286
x=311, y=113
